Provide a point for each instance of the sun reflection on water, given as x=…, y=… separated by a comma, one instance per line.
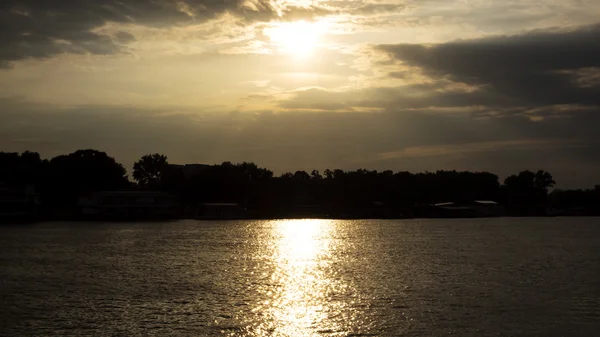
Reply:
x=299, y=304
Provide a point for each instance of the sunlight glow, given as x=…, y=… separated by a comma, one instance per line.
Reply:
x=300, y=240
x=299, y=38
x=302, y=254
x=302, y=247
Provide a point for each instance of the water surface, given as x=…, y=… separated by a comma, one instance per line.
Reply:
x=479, y=277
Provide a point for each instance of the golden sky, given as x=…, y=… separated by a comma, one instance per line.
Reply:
x=402, y=85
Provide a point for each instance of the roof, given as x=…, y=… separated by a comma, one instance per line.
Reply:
x=457, y=208
x=442, y=204
x=486, y=202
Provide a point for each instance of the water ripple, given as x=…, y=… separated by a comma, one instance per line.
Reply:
x=499, y=277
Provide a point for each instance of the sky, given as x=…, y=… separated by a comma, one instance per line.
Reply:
x=406, y=85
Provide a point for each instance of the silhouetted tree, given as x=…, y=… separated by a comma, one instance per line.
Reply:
x=526, y=193
x=301, y=175
x=149, y=170
x=315, y=175
x=287, y=175
x=82, y=172
x=335, y=193
x=543, y=180
x=576, y=202
x=26, y=169
x=243, y=183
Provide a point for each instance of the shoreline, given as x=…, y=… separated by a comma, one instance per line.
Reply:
x=156, y=220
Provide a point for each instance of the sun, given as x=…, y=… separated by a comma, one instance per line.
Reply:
x=298, y=38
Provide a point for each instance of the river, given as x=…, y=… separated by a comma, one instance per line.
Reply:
x=472, y=277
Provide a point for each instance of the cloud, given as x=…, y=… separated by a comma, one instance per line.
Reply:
x=294, y=13
x=466, y=149
x=375, y=8
x=537, y=68
x=359, y=7
x=538, y=75
x=440, y=94
x=124, y=37
x=41, y=28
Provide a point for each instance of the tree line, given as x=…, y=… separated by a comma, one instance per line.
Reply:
x=61, y=180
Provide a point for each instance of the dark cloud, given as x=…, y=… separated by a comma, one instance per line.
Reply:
x=124, y=37
x=42, y=28
x=533, y=70
x=528, y=71
x=538, y=68
x=362, y=7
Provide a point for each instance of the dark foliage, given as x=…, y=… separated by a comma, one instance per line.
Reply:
x=63, y=179
x=150, y=169
x=576, y=202
x=80, y=173
x=526, y=193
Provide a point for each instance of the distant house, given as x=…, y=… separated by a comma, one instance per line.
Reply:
x=453, y=210
x=381, y=210
x=18, y=204
x=487, y=208
x=476, y=208
x=129, y=205
x=446, y=204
